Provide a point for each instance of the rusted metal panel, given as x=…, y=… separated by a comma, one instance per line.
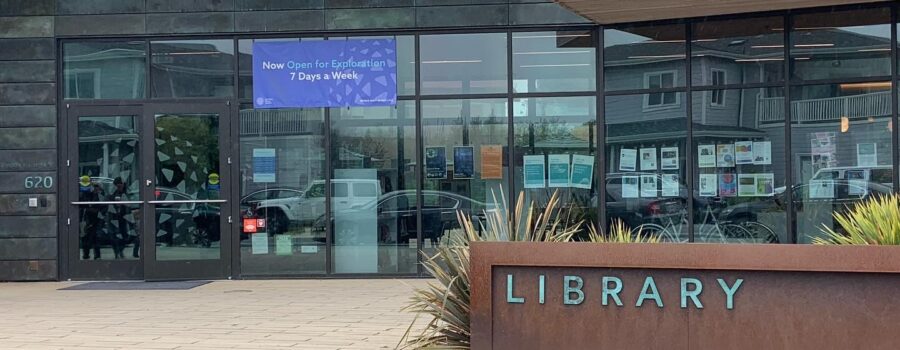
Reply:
x=790, y=297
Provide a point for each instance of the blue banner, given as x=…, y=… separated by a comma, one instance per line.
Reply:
x=330, y=73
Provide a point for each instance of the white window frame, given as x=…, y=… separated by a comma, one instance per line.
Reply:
x=720, y=92
x=647, y=105
x=73, y=73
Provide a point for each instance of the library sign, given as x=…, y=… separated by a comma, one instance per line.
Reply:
x=680, y=296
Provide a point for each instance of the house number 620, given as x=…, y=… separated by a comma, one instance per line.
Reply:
x=38, y=182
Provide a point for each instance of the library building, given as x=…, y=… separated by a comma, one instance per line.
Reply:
x=170, y=140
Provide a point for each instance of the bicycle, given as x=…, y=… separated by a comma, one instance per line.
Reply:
x=711, y=230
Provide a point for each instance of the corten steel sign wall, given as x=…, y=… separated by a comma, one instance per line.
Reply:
x=788, y=297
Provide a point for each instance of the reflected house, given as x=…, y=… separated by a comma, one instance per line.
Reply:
x=96, y=70
x=723, y=115
x=109, y=148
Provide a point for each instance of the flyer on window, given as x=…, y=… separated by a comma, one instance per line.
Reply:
x=747, y=185
x=463, y=162
x=558, y=170
x=670, y=185
x=649, y=186
x=706, y=156
x=435, y=163
x=727, y=185
x=582, y=171
x=648, y=158
x=762, y=153
x=725, y=155
x=533, y=168
x=743, y=152
x=821, y=189
x=866, y=154
x=669, y=158
x=857, y=182
x=259, y=243
x=627, y=159
x=630, y=186
x=765, y=185
x=492, y=162
x=709, y=185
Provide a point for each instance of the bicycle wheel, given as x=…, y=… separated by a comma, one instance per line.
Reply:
x=735, y=233
x=665, y=234
x=760, y=233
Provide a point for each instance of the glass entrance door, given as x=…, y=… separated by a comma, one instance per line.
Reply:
x=188, y=185
x=103, y=236
x=147, y=192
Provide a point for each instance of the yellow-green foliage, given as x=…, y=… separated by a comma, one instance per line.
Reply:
x=620, y=233
x=875, y=221
x=446, y=301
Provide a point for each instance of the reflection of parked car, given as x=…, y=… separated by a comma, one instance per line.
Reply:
x=843, y=193
x=277, y=205
x=186, y=223
x=396, y=211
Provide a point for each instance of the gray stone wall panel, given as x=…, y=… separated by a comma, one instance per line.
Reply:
x=17, y=204
x=462, y=16
x=45, y=270
x=201, y=22
x=27, y=94
x=26, y=27
x=27, y=160
x=100, y=25
x=28, y=138
x=27, y=49
x=27, y=71
x=277, y=21
x=18, y=116
x=95, y=7
x=28, y=249
x=399, y=17
x=27, y=227
x=16, y=182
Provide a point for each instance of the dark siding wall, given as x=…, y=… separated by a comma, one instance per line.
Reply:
x=28, y=87
x=28, y=236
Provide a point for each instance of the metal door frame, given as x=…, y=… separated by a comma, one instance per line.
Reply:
x=188, y=269
x=70, y=251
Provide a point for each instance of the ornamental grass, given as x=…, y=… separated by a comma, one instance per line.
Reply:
x=446, y=301
x=874, y=221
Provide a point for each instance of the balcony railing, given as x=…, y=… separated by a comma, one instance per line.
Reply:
x=876, y=104
x=271, y=122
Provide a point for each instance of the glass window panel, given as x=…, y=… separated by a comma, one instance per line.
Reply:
x=645, y=175
x=738, y=51
x=187, y=169
x=465, y=163
x=841, y=141
x=463, y=63
x=406, y=56
x=562, y=133
x=374, y=214
x=105, y=70
x=192, y=68
x=282, y=164
x=739, y=166
x=631, y=52
x=108, y=162
x=554, y=61
x=841, y=44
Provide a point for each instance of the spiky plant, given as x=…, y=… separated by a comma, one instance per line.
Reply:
x=620, y=233
x=875, y=221
x=447, y=300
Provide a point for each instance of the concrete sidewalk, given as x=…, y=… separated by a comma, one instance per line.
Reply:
x=271, y=314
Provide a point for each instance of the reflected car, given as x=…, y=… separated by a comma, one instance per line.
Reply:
x=843, y=194
x=186, y=223
x=395, y=214
x=276, y=205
